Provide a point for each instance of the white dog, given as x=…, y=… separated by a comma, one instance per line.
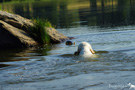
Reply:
x=85, y=50
x=131, y=86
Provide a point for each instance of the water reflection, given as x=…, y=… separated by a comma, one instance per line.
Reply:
x=3, y=65
x=66, y=13
x=23, y=54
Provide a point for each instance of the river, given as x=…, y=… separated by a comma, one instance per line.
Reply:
x=108, y=25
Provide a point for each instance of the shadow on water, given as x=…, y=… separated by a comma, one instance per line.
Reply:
x=12, y=56
x=3, y=65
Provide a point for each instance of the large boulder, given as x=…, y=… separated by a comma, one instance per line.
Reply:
x=16, y=20
x=13, y=37
x=55, y=36
x=14, y=32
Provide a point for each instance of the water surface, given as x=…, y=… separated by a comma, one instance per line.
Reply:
x=108, y=25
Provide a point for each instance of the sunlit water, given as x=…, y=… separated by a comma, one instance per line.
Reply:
x=56, y=68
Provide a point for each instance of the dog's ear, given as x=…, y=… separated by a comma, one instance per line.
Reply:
x=76, y=53
x=92, y=51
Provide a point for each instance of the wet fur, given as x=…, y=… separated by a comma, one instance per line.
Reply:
x=84, y=49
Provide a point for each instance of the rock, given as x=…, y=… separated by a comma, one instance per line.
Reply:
x=16, y=21
x=14, y=32
x=11, y=37
x=55, y=36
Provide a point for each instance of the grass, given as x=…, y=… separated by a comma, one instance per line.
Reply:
x=38, y=31
x=0, y=7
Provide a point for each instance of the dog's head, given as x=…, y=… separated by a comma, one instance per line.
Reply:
x=86, y=46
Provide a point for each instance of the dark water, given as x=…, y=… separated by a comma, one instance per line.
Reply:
x=108, y=25
x=67, y=13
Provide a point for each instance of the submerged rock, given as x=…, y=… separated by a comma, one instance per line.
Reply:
x=14, y=32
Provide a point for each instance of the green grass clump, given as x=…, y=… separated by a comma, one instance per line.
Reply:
x=38, y=31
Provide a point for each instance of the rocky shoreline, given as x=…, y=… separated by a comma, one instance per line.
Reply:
x=14, y=32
